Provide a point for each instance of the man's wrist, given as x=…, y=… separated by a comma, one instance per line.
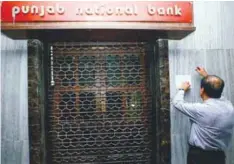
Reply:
x=204, y=76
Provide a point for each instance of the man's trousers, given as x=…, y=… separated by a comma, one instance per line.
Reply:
x=197, y=155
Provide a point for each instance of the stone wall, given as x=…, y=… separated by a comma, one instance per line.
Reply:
x=164, y=101
x=35, y=101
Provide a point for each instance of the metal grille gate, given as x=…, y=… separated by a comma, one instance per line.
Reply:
x=99, y=104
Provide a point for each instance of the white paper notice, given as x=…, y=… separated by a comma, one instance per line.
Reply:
x=183, y=78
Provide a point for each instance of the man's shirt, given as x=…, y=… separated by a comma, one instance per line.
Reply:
x=212, y=121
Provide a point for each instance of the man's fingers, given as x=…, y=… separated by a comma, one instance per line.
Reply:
x=198, y=69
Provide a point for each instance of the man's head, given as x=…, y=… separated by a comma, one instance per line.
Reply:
x=211, y=87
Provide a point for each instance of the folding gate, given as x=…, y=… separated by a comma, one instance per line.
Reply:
x=100, y=105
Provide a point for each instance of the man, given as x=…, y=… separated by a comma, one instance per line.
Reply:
x=212, y=121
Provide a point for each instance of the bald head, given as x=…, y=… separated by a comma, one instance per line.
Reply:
x=213, y=86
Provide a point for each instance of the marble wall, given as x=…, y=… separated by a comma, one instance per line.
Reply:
x=210, y=46
x=14, y=101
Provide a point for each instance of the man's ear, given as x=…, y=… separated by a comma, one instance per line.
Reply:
x=202, y=90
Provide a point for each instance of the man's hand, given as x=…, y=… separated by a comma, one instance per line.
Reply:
x=185, y=86
x=202, y=71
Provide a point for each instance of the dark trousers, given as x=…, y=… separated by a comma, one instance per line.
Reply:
x=199, y=156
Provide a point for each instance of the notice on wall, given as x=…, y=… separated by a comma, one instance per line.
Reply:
x=179, y=79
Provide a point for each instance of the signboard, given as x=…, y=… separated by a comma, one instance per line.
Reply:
x=97, y=11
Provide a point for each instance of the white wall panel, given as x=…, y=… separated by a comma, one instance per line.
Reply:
x=14, y=102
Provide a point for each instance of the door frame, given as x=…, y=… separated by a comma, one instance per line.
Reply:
x=159, y=68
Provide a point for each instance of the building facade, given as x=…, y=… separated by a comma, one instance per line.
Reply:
x=127, y=88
